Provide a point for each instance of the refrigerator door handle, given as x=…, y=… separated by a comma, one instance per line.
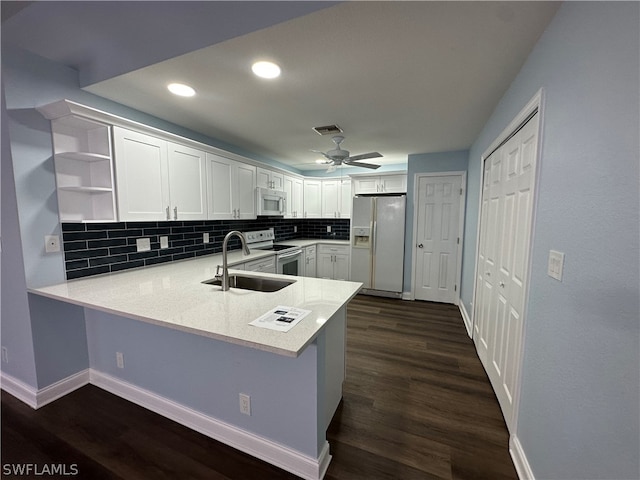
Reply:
x=373, y=237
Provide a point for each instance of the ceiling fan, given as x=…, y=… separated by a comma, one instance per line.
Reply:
x=339, y=156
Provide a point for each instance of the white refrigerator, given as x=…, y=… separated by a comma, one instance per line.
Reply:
x=377, y=243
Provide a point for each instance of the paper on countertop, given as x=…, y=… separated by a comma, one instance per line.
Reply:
x=281, y=318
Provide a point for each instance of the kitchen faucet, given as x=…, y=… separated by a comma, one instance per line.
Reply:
x=225, y=271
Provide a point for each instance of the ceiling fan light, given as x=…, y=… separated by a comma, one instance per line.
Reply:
x=265, y=69
x=181, y=89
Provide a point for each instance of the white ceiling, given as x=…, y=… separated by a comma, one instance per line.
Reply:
x=398, y=77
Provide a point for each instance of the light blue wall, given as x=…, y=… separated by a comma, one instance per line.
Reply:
x=579, y=408
x=208, y=375
x=15, y=324
x=425, y=163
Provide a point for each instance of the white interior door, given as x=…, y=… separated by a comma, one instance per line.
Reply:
x=437, y=238
x=505, y=232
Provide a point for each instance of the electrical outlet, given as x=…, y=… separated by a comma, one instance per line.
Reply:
x=5, y=355
x=119, y=360
x=245, y=404
x=295, y=229
x=51, y=243
x=143, y=244
x=328, y=228
x=205, y=238
x=164, y=242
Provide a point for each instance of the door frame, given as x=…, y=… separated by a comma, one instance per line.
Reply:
x=463, y=196
x=536, y=104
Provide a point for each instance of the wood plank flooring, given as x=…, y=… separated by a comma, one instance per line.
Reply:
x=417, y=405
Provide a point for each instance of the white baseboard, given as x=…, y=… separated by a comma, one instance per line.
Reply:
x=466, y=318
x=39, y=398
x=254, y=445
x=407, y=296
x=23, y=392
x=520, y=459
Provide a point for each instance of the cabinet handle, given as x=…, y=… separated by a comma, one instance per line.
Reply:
x=175, y=213
x=168, y=215
x=238, y=213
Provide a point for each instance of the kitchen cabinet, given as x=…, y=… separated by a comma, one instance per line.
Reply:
x=264, y=265
x=371, y=184
x=310, y=261
x=293, y=186
x=336, y=198
x=266, y=178
x=312, y=198
x=83, y=170
x=333, y=261
x=232, y=189
x=157, y=179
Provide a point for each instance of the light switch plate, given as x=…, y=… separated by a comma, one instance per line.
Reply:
x=556, y=264
x=164, y=242
x=205, y=238
x=143, y=244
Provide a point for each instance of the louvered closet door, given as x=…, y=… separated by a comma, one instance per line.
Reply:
x=505, y=231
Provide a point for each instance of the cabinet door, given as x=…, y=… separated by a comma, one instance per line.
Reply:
x=365, y=185
x=288, y=189
x=310, y=266
x=263, y=178
x=312, y=199
x=187, y=183
x=277, y=180
x=324, y=265
x=345, y=199
x=141, y=176
x=297, y=198
x=330, y=198
x=221, y=175
x=393, y=184
x=341, y=267
x=245, y=189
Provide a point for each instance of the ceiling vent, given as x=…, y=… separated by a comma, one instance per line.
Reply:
x=328, y=130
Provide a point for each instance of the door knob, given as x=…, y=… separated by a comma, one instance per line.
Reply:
x=420, y=246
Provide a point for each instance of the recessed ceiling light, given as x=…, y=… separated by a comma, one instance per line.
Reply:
x=181, y=89
x=266, y=69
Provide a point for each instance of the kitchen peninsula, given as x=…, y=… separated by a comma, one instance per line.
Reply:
x=161, y=338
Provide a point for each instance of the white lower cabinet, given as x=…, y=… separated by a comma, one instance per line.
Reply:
x=263, y=265
x=232, y=189
x=333, y=261
x=310, y=261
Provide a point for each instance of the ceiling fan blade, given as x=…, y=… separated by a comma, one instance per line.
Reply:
x=358, y=164
x=364, y=156
x=323, y=154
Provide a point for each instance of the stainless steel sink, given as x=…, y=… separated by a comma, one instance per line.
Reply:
x=258, y=284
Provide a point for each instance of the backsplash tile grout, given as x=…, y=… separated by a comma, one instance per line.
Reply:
x=97, y=248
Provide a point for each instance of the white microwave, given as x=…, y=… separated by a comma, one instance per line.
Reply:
x=271, y=202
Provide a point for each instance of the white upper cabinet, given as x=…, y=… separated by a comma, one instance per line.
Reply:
x=293, y=206
x=232, y=189
x=372, y=184
x=142, y=176
x=312, y=198
x=269, y=179
x=187, y=183
x=158, y=180
x=336, y=198
x=83, y=169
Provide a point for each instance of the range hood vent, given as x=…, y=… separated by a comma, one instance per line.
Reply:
x=328, y=130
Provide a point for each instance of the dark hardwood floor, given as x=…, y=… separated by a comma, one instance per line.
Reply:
x=417, y=405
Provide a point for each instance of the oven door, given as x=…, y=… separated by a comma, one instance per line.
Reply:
x=290, y=263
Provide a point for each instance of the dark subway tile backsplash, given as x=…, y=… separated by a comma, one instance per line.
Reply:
x=96, y=248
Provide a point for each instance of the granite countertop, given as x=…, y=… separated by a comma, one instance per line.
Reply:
x=173, y=295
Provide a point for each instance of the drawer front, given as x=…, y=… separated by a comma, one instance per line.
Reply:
x=310, y=250
x=265, y=265
x=333, y=249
